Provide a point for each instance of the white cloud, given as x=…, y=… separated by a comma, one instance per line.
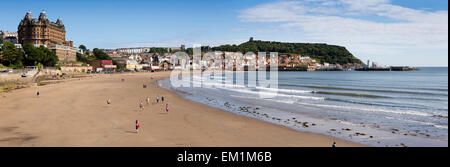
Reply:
x=374, y=29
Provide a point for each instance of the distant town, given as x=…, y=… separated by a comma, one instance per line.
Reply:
x=40, y=42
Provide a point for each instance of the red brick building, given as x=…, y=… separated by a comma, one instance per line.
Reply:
x=103, y=65
x=41, y=31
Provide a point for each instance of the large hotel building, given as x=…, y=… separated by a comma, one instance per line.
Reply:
x=41, y=31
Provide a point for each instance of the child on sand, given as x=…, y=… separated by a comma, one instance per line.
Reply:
x=167, y=107
x=108, y=101
x=137, y=126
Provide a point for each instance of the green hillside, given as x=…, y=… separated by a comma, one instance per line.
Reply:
x=321, y=52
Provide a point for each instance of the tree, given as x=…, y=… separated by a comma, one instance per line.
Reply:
x=100, y=55
x=87, y=52
x=160, y=50
x=11, y=56
x=1, y=40
x=31, y=55
x=39, y=55
x=82, y=58
x=82, y=48
x=48, y=58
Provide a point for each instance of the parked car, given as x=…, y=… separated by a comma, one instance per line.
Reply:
x=6, y=71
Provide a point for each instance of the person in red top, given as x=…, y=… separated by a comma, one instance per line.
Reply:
x=167, y=107
x=137, y=126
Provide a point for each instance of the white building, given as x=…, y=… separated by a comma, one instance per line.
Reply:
x=304, y=58
x=132, y=63
x=18, y=46
x=9, y=37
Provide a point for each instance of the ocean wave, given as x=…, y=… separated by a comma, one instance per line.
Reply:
x=292, y=91
x=404, y=112
x=373, y=90
x=349, y=94
x=218, y=85
x=387, y=104
x=420, y=122
x=441, y=126
x=284, y=90
x=272, y=100
x=273, y=94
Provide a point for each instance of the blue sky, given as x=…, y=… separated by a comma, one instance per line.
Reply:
x=390, y=32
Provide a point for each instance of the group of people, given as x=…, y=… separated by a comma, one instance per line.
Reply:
x=162, y=100
x=141, y=106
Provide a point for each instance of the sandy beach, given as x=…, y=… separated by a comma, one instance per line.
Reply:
x=75, y=113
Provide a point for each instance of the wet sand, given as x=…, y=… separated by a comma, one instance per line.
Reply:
x=76, y=113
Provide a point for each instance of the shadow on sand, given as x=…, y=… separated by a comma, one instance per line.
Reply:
x=130, y=131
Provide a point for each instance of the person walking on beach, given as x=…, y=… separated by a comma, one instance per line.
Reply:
x=162, y=99
x=137, y=126
x=141, y=106
x=334, y=145
x=157, y=99
x=167, y=107
x=148, y=100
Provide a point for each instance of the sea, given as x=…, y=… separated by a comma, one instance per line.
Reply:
x=375, y=108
